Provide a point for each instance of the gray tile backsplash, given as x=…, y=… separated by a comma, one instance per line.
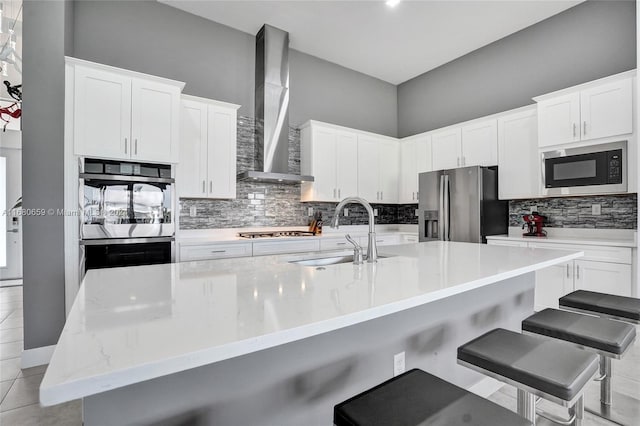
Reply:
x=268, y=204
x=618, y=211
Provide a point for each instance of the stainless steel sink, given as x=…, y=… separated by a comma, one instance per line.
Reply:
x=324, y=261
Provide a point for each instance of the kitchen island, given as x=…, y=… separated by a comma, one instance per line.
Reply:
x=264, y=341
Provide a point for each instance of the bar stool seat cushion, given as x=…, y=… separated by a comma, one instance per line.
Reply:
x=550, y=366
x=593, y=332
x=608, y=304
x=419, y=398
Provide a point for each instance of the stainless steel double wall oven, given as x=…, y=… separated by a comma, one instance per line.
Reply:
x=127, y=213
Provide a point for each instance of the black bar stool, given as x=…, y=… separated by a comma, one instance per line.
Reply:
x=536, y=366
x=608, y=339
x=419, y=398
x=621, y=308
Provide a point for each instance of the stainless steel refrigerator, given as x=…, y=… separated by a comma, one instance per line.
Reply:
x=461, y=205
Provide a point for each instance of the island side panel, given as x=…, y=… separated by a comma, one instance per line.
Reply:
x=300, y=382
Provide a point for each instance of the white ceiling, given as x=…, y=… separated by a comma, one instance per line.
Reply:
x=392, y=44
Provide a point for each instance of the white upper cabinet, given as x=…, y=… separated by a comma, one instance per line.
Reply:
x=446, y=149
x=518, y=162
x=155, y=122
x=591, y=111
x=208, y=140
x=606, y=110
x=378, y=163
x=479, y=144
x=473, y=144
x=330, y=155
x=102, y=113
x=389, y=162
x=415, y=158
x=558, y=120
x=123, y=115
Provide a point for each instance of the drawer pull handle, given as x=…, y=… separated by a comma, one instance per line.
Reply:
x=341, y=244
x=218, y=251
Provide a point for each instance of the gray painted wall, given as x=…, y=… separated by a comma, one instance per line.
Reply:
x=43, y=172
x=217, y=62
x=586, y=42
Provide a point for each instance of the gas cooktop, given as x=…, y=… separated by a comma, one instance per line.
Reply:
x=273, y=234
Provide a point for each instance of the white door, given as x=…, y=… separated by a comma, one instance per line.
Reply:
x=155, y=110
x=518, y=162
x=221, y=152
x=368, y=174
x=191, y=179
x=480, y=144
x=408, y=172
x=102, y=114
x=346, y=159
x=552, y=283
x=12, y=223
x=603, y=277
x=423, y=154
x=389, y=161
x=559, y=120
x=607, y=110
x=445, y=149
x=323, y=157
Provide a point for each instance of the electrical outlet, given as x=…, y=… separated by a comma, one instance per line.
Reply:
x=375, y=212
x=596, y=209
x=193, y=212
x=534, y=209
x=346, y=212
x=310, y=211
x=417, y=213
x=398, y=364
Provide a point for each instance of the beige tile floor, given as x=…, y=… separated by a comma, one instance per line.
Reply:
x=19, y=388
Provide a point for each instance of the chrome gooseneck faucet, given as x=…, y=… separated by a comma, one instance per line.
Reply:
x=372, y=250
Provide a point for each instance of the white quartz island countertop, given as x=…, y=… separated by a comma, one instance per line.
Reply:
x=128, y=325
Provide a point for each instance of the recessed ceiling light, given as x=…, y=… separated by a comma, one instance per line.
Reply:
x=392, y=3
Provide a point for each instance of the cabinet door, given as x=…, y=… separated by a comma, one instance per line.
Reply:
x=323, y=158
x=368, y=176
x=408, y=172
x=551, y=284
x=559, y=120
x=346, y=164
x=480, y=144
x=445, y=149
x=607, y=110
x=102, y=114
x=221, y=149
x=603, y=277
x=518, y=162
x=155, y=121
x=423, y=154
x=389, y=162
x=191, y=179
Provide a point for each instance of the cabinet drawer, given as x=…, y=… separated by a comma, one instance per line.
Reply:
x=596, y=253
x=214, y=251
x=266, y=248
x=409, y=239
x=507, y=243
x=334, y=244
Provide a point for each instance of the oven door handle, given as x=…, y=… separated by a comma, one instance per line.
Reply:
x=104, y=241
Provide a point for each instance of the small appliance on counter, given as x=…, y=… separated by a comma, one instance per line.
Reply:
x=534, y=223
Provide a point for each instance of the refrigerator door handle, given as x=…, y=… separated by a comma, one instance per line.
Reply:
x=447, y=200
x=441, y=209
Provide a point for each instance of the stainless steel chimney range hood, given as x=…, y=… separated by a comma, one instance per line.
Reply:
x=272, y=110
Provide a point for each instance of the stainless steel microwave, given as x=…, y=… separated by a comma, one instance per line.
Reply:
x=597, y=169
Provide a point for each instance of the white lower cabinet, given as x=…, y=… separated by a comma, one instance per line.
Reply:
x=605, y=269
x=208, y=251
x=283, y=247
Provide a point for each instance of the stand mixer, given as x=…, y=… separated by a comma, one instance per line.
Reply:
x=534, y=223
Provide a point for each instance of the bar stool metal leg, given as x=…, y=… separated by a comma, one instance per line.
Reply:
x=527, y=405
x=578, y=411
x=605, y=384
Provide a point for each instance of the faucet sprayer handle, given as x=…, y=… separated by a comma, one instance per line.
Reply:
x=352, y=241
x=357, y=251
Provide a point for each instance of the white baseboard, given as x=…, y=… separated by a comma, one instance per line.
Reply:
x=36, y=356
x=485, y=387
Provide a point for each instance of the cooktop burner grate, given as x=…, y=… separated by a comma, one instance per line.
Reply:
x=275, y=234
